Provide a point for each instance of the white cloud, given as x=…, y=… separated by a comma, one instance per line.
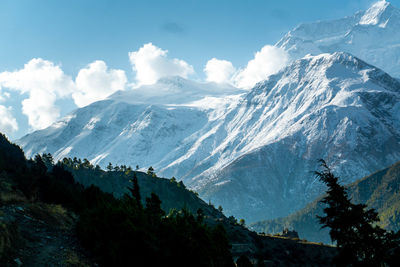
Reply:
x=269, y=60
x=96, y=82
x=4, y=96
x=219, y=71
x=8, y=124
x=151, y=63
x=44, y=82
x=41, y=109
x=38, y=74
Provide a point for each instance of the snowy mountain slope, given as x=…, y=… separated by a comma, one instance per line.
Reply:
x=371, y=35
x=255, y=153
x=174, y=91
x=335, y=107
x=132, y=127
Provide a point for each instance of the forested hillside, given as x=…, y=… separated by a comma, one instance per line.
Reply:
x=112, y=231
x=379, y=191
x=117, y=180
x=48, y=218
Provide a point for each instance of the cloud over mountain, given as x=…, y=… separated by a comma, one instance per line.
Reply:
x=150, y=63
x=269, y=60
x=43, y=82
x=96, y=82
x=219, y=71
x=8, y=123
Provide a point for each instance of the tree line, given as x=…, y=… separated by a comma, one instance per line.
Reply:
x=118, y=232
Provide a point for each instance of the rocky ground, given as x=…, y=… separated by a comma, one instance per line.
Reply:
x=45, y=236
x=36, y=234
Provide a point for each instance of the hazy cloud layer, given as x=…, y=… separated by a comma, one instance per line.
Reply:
x=173, y=27
x=4, y=95
x=8, y=124
x=150, y=63
x=96, y=82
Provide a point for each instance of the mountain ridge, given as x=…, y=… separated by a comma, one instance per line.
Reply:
x=320, y=103
x=338, y=128
x=370, y=35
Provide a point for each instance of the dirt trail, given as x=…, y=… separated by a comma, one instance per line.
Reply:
x=44, y=240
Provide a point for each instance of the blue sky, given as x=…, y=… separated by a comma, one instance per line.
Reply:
x=72, y=34
x=75, y=33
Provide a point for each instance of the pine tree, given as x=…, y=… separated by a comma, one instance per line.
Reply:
x=48, y=160
x=86, y=164
x=200, y=215
x=135, y=191
x=39, y=167
x=109, y=167
x=359, y=240
x=151, y=172
x=153, y=207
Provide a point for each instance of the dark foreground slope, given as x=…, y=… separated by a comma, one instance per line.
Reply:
x=33, y=233
x=174, y=195
x=380, y=191
x=47, y=219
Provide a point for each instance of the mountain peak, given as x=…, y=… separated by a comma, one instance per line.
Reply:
x=371, y=35
x=324, y=62
x=333, y=57
x=332, y=106
x=330, y=71
x=173, y=80
x=378, y=14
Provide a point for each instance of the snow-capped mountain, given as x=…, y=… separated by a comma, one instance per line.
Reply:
x=371, y=35
x=332, y=106
x=251, y=153
x=134, y=127
x=175, y=91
